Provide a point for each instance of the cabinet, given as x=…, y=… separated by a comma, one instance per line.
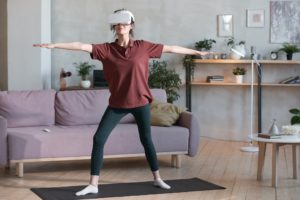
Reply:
x=266, y=79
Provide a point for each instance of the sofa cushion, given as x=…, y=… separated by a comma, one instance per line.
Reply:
x=74, y=141
x=80, y=107
x=83, y=107
x=164, y=114
x=27, y=108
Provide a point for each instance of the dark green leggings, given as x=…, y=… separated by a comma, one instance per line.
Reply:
x=110, y=119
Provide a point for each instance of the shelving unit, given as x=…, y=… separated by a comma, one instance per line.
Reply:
x=229, y=61
x=259, y=83
x=244, y=84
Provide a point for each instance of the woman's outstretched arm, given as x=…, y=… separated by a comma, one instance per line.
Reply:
x=76, y=46
x=182, y=50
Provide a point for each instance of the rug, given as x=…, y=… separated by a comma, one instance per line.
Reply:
x=126, y=189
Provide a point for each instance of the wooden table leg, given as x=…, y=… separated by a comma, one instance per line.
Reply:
x=295, y=161
x=275, y=151
x=261, y=159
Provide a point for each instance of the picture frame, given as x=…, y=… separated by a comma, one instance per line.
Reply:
x=284, y=22
x=225, y=25
x=255, y=18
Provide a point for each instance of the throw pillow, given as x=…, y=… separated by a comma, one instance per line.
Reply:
x=164, y=114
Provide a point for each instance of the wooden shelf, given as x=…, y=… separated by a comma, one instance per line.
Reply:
x=244, y=84
x=242, y=61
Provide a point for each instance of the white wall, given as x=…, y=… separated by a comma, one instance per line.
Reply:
x=23, y=31
x=163, y=21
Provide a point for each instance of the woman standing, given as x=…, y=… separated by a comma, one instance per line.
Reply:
x=125, y=63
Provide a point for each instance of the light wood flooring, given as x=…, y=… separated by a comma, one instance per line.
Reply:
x=220, y=162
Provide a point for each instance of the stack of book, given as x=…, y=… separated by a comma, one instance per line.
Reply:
x=291, y=80
x=268, y=136
x=215, y=78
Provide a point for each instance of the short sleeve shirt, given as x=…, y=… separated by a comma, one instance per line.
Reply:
x=126, y=71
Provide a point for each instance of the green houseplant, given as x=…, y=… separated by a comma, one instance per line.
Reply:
x=161, y=77
x=289, y=49
x=236, y=47
x=296, y=116
x=231, y=42
x=239, y=47
x=239, y=73
x=84, y=69
x=205, y=44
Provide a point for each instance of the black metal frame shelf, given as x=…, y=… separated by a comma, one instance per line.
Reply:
x=258, y=84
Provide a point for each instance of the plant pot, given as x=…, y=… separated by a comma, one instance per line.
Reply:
x=234, y=56
x=239, y=79
x=241, y=51
x=85, y=84
x=289, y=56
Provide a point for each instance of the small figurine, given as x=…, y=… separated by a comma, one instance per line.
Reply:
x=274, y=129
x=62, y=80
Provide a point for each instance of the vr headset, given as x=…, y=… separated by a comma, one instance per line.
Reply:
x=122, y=17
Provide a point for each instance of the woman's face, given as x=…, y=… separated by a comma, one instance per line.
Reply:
x=123, y=29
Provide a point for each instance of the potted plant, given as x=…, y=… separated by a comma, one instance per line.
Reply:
x=161, y=77
x=204, y=45
x=296, y=116
x=239, y=73
x=236, y=47
x=294, y=128
x=289, y=49
x=84, y=69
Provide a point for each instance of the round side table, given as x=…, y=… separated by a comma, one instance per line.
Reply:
x=293, y=140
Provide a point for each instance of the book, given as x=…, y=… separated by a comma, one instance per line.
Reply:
x=268, y=136
x=297, y=81
x=290, y=80
x=214, y=78
x=215, y=81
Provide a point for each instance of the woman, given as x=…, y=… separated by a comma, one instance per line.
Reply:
x=125, y=64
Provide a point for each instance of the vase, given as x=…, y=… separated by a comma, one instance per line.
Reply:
x=289, y=56
x=85, y=84
x=274, y=129
x=239, y=79
x=237, y=52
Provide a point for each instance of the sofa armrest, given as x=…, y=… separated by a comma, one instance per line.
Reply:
x=3, y=141
x=190, y=121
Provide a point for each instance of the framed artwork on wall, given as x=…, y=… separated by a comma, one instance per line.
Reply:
x=255, y=18
x=284, y=22
x=225, y=25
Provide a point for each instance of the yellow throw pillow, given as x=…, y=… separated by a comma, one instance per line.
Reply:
x=164, y=114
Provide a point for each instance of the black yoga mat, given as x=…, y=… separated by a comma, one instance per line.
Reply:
x=125, y=189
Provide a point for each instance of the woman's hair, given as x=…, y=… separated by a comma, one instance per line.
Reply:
x=112, y=27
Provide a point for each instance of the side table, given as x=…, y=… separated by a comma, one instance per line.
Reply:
x=293, y=140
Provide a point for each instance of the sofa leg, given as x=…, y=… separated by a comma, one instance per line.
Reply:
x=20, y=169
x=176, y=161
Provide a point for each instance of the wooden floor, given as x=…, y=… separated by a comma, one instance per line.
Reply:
x=220, y=162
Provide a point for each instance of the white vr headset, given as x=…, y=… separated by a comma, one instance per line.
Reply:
x=122, y=17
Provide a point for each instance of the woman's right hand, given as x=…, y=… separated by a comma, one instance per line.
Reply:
x=48, y=46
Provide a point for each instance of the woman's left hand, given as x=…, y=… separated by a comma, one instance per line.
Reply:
x=203, y=53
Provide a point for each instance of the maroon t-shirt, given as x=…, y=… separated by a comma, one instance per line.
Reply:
x=126, y=71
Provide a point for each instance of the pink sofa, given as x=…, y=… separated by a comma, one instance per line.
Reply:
x=72, y=118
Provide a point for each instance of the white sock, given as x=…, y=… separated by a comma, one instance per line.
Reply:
x=90, y=189
x=160, y=183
